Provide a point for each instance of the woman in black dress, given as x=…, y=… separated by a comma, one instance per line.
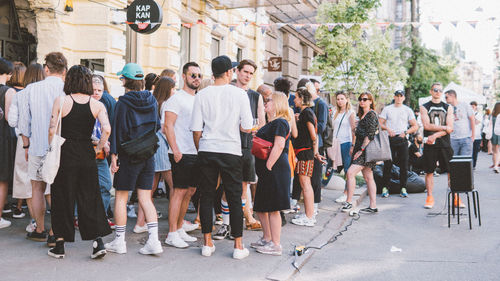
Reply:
x=365, y=132
x=273, y=188
x=77, y=178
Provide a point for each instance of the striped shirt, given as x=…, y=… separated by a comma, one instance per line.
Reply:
x=34, y=116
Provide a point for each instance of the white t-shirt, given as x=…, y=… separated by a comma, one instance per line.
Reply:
x=218, y=112
x=344, y=132
x=397, y=117
x=461, y=125
x=181, y=104
x=478, y=129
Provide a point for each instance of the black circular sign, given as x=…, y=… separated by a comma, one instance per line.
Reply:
x=144, y=16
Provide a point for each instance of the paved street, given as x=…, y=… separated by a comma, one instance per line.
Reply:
x=430, y=251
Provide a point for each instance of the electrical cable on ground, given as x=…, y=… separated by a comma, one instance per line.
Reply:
x=300, y=250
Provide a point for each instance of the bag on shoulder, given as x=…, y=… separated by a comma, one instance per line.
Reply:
x=51, y=161
x=379, y=149
x=327, y=135
x=261, y=148
x=143, y=147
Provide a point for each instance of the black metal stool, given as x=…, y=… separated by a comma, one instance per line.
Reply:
x=462, y=181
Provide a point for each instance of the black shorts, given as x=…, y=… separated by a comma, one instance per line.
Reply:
x=134, y=175
x=248, y=165
x=185, y=173
x=434, y=154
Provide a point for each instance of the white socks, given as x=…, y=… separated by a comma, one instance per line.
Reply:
x=153, y=231
x=225, y=212
x=120, y=233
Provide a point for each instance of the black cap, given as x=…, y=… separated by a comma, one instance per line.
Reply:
x=399, y=92
x=222, y=64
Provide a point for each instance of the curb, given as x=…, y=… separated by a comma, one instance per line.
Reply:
x=285, y=270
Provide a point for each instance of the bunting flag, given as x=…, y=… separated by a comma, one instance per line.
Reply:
x=263, y=29
x=472, y=23
x=331, y=25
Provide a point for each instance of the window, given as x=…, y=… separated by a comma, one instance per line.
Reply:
x=185, y=52
x=215, y=47
x=239, y=54
x=96, y=65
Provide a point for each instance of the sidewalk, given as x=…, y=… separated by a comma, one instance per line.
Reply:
x=22, y=259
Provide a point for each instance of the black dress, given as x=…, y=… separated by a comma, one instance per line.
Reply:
x=273, y=187
x=367, y=127
x=8, y=141
x=77, y=180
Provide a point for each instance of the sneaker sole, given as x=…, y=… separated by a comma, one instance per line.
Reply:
x=144, y=252
x=219, y=237
x=57, y=256
x=115, y=251
x=347, y=210
x=98, y=255
x=19, y=216
x=270, y=253
x=428, y=207
x=172, y=245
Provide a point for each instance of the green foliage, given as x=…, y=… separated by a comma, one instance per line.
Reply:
x=430, y=68
x=355, y=59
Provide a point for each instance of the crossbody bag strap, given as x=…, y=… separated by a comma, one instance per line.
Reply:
x=59, y=118
x=338, y=129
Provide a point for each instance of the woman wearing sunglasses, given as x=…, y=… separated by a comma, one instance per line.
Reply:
x=365, y=132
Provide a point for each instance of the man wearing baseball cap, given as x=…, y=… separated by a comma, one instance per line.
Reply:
x=395, y=119
x=220, y=111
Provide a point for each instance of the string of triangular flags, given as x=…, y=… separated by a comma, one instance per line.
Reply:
x=331, y=26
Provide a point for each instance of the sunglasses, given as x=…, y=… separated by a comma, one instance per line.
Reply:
x=436, y=90
x=363, y=99
x=195, y=75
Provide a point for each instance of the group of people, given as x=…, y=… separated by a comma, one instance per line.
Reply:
x=227, y=149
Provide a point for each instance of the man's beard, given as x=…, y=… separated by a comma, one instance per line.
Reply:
x=192, y=86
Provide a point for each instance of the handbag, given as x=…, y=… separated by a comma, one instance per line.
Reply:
x=141, y=148
x=334, y=152
x=262, y=148
x=51, y=161
x=379, y=149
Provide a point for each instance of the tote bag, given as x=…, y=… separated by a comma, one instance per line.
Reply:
x=334, y=152
x=379, y=148
x=51, y=161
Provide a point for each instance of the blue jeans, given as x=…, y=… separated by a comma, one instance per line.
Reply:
x=104, y=181
x=462, y=146
x=475, y=150
x=345, y=148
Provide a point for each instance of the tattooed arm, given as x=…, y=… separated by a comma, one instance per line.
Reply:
x=54, y=117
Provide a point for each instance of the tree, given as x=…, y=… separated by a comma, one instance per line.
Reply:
x=356, y=59
x=429, y=68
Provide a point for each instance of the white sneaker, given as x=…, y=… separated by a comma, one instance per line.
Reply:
x=207, y=251
x=240, y=254
x=4, y=223
x=188, y=227
x=342, y=198
x=131, y=211
x=140, y=229
x=186, y=237
x=174, y=239
x=152, y=247
x=31, y=226
x=304, y=221
x=116, y=246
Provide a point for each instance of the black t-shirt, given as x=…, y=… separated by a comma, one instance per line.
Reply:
x=277, y=127
x=304, y=140
x=437, y=113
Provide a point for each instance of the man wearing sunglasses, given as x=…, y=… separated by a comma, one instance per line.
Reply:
x=395, y=119
x=177, y=112
x=437, y=118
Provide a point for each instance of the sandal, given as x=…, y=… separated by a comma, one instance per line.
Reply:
x=254, y=226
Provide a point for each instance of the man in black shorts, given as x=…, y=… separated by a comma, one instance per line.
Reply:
x=437, y=118
x=177, y=112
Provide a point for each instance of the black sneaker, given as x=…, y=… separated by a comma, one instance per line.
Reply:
x=37, y=236
x=98, y=249
x=347, y=207
x=6, y=209
x=58, y=251
x=222, y=233
x=368, y=210
x=51, y=241
x=18, y=214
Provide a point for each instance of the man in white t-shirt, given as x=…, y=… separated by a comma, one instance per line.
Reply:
x=395, y=119
x=463, y=127
x=219, y=113
x=177, y=113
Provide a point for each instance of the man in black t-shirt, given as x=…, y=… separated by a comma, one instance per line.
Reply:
x=437, y=118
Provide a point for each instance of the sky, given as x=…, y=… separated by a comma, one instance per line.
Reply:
x=478, y=42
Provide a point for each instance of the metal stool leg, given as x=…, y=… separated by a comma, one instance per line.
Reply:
x=458, y=208
x=474, y=202
x=468, y=206
x=452, y=206
x=478, y=208
x=448, y=201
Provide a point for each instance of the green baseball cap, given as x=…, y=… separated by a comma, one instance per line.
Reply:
x=132, y=71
